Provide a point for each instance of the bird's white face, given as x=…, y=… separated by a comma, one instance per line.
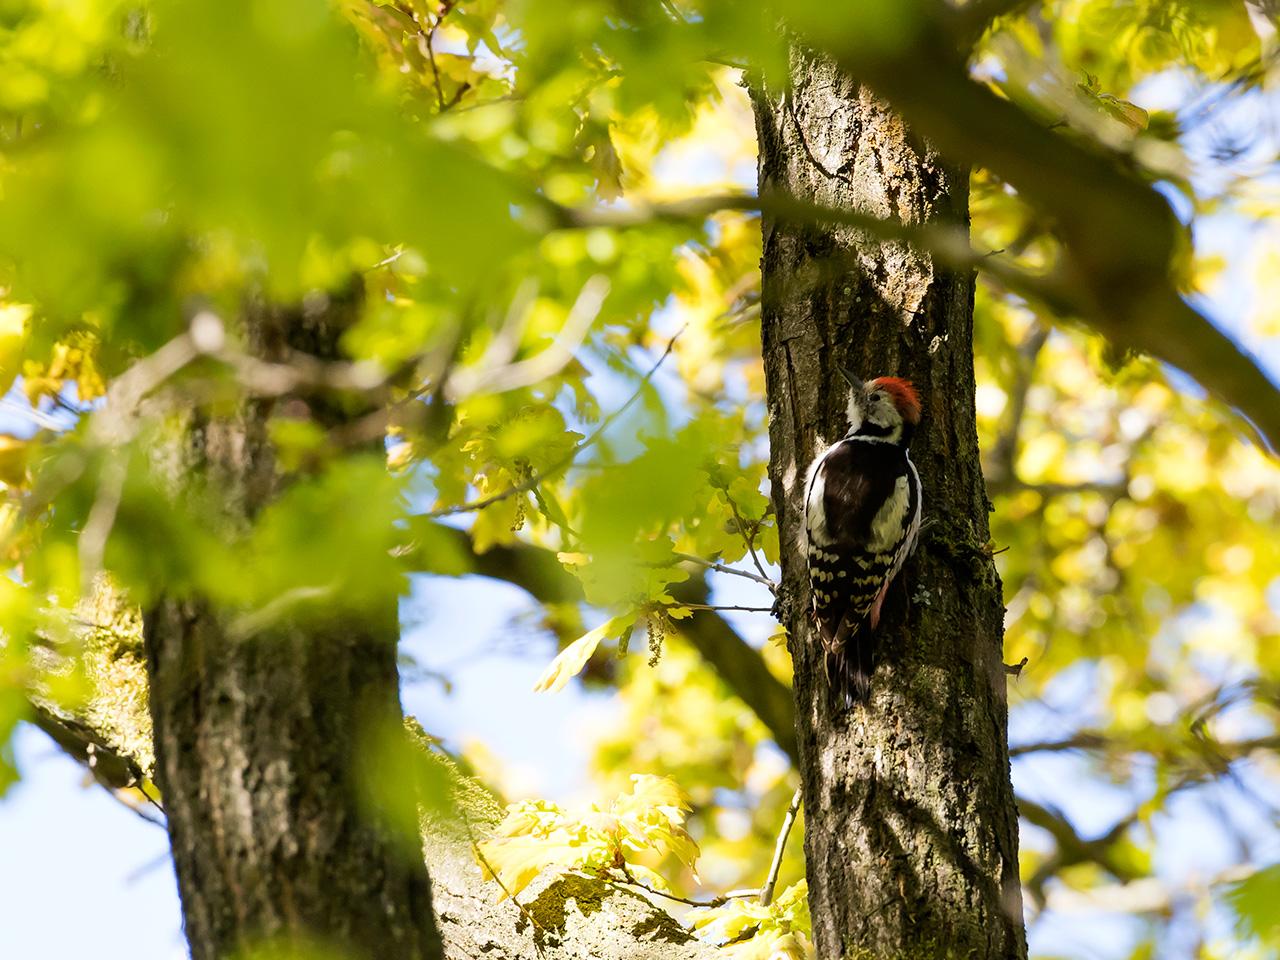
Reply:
x=873, y=414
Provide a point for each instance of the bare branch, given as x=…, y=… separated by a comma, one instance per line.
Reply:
x=724, y=568
x=748, y=538
x=1095, y=740
x=534, y=479
x=1110, y=490
x=300, y=373
x=512, y=376
x=710, y=606
x=1002, y=464
x=114, y=423
x=720, y=901
x=102, y=517
x=1148, y=895
x=256, y=621
x=771, y=881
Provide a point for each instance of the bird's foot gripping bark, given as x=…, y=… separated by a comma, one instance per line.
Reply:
x=782, y=605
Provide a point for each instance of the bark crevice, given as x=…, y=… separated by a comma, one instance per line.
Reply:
x=910, y=837
x=256, y=737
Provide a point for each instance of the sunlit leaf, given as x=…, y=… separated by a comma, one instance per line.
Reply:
x=570, y=661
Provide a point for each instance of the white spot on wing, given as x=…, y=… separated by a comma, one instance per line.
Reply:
x=913, y=530
x=886, y=526
x=815, y=514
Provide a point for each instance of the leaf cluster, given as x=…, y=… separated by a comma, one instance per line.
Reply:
x=536, y=835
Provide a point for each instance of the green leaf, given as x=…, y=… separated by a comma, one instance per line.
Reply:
x=1256, y=902
x=573, y=658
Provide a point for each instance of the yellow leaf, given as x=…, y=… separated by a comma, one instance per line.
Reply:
x=457, y=67
x=516, y=861
x=649, y=791
x=13, y=330
x=651, y=816
x=685, y=849
x=400, y=457
x=788, y=947
x=1130, y=114
x=13, y=460
x=575, y=656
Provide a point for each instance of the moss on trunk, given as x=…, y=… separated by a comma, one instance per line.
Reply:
x=910, y=823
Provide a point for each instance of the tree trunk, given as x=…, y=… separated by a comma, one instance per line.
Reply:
x=256, y=737
x=910, y=822
x=560, y=918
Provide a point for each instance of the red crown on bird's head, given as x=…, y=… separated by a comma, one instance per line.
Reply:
x=903, y=395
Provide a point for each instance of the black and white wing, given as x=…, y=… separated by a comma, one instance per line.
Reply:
x=862, y=516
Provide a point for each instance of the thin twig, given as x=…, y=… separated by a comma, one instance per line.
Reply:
x=155, y=863
x=1228, y=750
x=141, y=787
x=496, y=377
x=385, y=261
x=429, y=37
x=121, y=797
x=749, y=539
x=534, y=479
x=719, y=901
x=1015, y=669
x=484, y=861
x=102, y=517
x=712, y=606
x=714, y=902
x=771, y=881
x=36, y=416
x=724, y=568
x=255, y=621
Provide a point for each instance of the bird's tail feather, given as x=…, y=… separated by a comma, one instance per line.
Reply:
x=849, y=667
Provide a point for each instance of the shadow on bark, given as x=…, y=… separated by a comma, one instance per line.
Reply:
x=911, y=829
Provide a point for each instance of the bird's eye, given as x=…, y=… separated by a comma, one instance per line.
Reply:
x=877, y=397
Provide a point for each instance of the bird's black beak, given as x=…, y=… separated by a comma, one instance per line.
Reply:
x=852, y=380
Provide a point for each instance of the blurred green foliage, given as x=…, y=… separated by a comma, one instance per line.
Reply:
x=164, y=160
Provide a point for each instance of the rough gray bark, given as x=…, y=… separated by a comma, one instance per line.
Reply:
x=256, y=737
x=565, y=918
x=559, y=918
x=254, y=747
x=910, y=823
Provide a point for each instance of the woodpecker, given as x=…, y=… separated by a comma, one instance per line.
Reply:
x=862, y=517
